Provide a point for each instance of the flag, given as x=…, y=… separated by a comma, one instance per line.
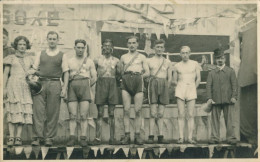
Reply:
x=102, y=150
x=133, y=151
x=169, y=149
x=156, y=151
x=140, y=152
x=211, y=151
x=158, y=33
x=182, y=148
x=44, y=151
x=126, y=150
x=115, y=151
x=36, y=151
x=95, y=149
x=18, y=150
x=27, y=151
x=161, y=151
x=69, y=151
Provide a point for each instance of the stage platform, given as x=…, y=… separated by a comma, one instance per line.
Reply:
x=132, y=151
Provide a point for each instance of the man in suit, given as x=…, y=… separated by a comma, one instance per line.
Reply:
x=222, y=93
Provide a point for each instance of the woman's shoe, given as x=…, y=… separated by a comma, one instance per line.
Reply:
x=18, y=141
x=10, y=141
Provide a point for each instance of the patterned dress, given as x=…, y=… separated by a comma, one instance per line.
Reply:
x=19, y=102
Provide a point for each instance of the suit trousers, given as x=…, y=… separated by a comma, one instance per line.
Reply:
x=46, y=109
x=215, y=121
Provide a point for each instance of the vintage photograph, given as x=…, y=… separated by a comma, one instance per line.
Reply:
x=129, y=81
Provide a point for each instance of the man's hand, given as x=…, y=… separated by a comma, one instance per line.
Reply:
x=63, y=93
x=211, y=101
x=233, y=100
x=31, y=71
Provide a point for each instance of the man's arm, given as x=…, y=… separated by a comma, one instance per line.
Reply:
x=120, y=65
x=146, y=68
x=198, y=69
x=36, y=64
x=65, y=70
x=175, y=75
x=95, y=60
x=209, y=86
x=93, y=73
x=6, y=74
x=234, y=84
x=169, y=73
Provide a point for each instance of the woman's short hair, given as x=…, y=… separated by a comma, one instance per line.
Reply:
x=17, y=39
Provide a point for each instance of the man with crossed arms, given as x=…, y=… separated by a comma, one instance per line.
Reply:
x=133, y=64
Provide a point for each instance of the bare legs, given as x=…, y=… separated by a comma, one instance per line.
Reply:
x=73, y=106
x=138, y=101
x=181, y=109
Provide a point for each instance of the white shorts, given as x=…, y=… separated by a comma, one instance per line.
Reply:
x=186, y=91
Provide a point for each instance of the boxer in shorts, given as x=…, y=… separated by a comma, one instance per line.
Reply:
x=82, y=76
x=158, y=85
x=106, y=89
x=135, y=68
x=187, y=79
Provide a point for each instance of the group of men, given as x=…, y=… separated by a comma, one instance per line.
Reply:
x=80, y=73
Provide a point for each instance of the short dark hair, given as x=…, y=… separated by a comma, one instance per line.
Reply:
x=17, y=39
x=80, y=41
x=53, y=32
x=160, y=41
x=5, y=32
x=133, y=37
x=108, y=41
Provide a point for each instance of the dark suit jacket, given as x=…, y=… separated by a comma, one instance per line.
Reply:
x=222, y=85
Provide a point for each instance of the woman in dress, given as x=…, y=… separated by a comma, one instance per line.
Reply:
x=17, y=93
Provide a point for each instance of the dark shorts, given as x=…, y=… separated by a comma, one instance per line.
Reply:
x=79, y=90
x=132, y=83
x=158, y=91
x=106, y=91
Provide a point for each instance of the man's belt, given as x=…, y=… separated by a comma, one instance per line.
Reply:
x=132, y=73
x=49, y=79
x=79, y=78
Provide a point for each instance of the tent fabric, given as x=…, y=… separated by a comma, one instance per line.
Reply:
x=248, y=113
x=248, y=69
x=247, y=79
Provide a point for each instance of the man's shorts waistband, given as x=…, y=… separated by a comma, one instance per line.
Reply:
x=49, y=79
x=132, y=73
x=80, y=79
